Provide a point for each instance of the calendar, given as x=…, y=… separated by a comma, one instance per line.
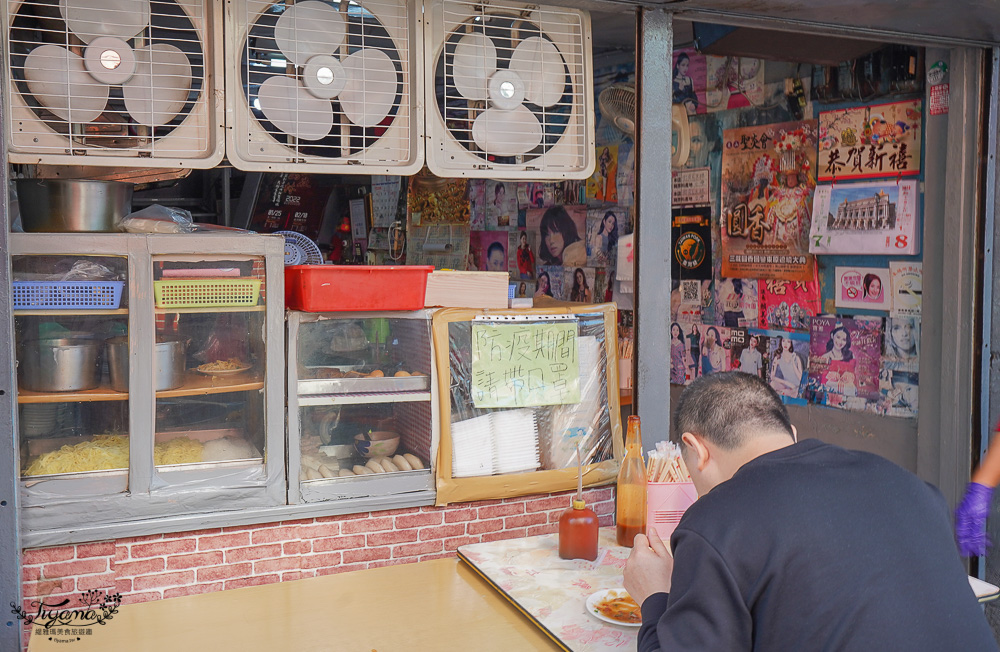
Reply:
x=865, y=218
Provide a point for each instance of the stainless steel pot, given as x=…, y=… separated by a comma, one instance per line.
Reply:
x=169, y=363
x=72, y=205
x=59, y=365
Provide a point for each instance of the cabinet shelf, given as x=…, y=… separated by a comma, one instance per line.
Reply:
x=169, y=311
x=359, y=399
x=194, y=385
x=70, y=312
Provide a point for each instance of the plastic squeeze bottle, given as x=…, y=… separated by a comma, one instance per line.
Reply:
x=578, y=525
x=630, y=514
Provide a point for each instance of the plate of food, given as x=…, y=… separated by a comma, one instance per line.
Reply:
x=228, y=367
x=614, y=606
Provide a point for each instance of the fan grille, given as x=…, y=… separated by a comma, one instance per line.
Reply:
x=154, y=72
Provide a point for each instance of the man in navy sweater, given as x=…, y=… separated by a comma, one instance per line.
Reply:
x=797, y=546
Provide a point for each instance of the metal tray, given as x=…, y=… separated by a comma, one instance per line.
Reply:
x=364, y=385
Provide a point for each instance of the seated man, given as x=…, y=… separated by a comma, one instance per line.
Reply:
x=797, y=546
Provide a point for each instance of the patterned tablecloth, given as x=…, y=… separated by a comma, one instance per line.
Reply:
x=553, y=591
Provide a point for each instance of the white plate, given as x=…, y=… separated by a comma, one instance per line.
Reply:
x=600, y=595
x=222, y=372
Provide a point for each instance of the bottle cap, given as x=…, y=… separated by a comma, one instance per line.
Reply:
x=579, y=504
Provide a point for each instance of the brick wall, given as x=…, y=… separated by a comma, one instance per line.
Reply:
x=185, y=563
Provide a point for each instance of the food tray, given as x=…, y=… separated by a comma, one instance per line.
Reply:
x=364, y=385
x=340, y=288
x=206, y=293
x=59, y=295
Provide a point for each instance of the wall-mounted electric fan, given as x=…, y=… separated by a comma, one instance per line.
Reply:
x=113, y=82
x=512, y=96
x=617, y=103
x=320, y=85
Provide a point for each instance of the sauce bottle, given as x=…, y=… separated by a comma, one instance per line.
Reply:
x=578, y=525
x=630, y=515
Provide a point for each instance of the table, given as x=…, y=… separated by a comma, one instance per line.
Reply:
x=438, y=605
x=553, y=591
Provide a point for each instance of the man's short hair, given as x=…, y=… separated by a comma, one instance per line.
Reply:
x=729, y=409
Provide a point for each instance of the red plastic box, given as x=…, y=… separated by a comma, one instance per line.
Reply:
x=342, y=288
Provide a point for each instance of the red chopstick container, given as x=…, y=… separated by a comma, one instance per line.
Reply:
x=666, y=503
x=342, y=288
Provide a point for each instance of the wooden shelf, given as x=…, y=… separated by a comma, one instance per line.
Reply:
x=195, y=385
x=168, y=311
x=362, y=399
x=70, y=312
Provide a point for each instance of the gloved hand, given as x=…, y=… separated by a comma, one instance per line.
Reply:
x=970, y=520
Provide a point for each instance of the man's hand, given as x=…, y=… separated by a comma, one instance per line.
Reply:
x=648, y=568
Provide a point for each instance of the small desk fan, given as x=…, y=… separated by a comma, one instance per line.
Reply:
x=300, y=250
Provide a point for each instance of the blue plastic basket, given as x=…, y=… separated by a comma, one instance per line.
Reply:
x=62, y=295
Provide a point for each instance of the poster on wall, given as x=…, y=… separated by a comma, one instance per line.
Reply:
x=748, y=349
x=845, y=355
x=788, y=361
x=733, y=82
x=557, y=234
x=788, y=304
x=550, y=281
x=477, y=204
x=690, y=187
x=521, y=256
x=907, y=288
x=866, y=218
x=603, y=230
x=767, y=187
x=691, y=235
x=869, y=142
x=862, y=287
x=603, y=185
x=737, y=302
x=487, y=251
x=689, y=80
x=898, y=377
x=501, y=205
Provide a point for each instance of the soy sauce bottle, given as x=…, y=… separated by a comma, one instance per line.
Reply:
x=578, y=525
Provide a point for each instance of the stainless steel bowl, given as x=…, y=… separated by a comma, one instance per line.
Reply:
x=72, y=205
x=59, y=365
x=170, y=362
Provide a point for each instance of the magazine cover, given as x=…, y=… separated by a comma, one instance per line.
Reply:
x=900, y=392
x=579, y=284
x=487, y=251
x=733, y=82
x=691, y=235
x=534, y=194
x=907, y=288
x=737, y=302
x=557, y=233
x=788, y=304
x=866, y=218
x=522, y=257
x=689, y=80
x=788, y=356
x=477, y=204
x=715, y=348
x=501, y=205
x=603, y=229
x=603, y=185
x=767, y=188
x=550, y=281
x=868, y=142
x=844, y=359
x=749, y=351
x=862, y=287
x=685, y=360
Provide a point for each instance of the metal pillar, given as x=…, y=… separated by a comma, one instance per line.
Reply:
x=654, y=51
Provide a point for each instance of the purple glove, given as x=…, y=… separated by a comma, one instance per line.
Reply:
x=970, y=520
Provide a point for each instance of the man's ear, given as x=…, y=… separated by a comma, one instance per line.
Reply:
x=698, y=449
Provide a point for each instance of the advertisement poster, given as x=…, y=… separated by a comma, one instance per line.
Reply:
x=907, y=288
x=603, y=228
x=865, y=218
x=691, y=235
x=557, y=233
x=433, y=201
x=733, y=82
x=749, y=352
x=899, y=377
x=715, y=347
x=788, y=361
x=788, y=304
x=689, y=80
x=501, y=205
x=862, y=287
x=767, y=188
x=870, y=142
x=534, y=194
x=737, y=302
x=521, y=256
x=603, y=185
x=845, y=355
x=550, y=281
x=690, y=187
x=292, y=202
x=685, y=352
x=579, y=284
x=477, y=204
x=487, y=251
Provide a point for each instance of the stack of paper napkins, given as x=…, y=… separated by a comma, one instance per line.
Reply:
x=500, y=442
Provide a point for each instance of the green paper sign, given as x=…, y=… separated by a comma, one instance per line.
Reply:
x=525, y=364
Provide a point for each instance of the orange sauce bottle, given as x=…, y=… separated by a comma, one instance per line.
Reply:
x=630, y=514
x=578, y=525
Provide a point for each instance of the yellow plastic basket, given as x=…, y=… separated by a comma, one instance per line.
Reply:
x=206, y=293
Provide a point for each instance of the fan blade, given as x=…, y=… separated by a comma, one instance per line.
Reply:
x=109, y=60
x=293, y=110
x=58, y=79
x=475, y=60
x=89, y=19
x=159, y=88
x=538, y=63
x=309, y=28
x=371, y=87
x=507, y=133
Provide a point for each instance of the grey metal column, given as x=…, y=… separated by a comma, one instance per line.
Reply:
x=654, y=49
x=10, y=539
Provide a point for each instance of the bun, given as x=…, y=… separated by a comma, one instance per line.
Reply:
x=343, y=473
x=414, y=461
x=374, y=466
x=401, y=374
x=312, y=474
x=388, y=465
x=327, y=472
x=362, y=470
x=401, y=463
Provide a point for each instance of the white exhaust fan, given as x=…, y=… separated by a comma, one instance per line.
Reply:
x=513, y=94
x=324, y=86
x=113, y=82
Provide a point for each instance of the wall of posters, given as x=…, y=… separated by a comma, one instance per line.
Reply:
x=767, y=187
x=865, y=218
x=863, y=287
x=868, y=142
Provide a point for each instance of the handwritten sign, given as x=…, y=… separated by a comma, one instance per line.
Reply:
x=525, y=364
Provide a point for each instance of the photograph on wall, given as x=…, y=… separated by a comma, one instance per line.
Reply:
x=691, y=238
x=432, y=201
x=767, y=187
x=602, y=236
x=560, y=233
x=749, y=353
x=715, y=356
x=907, y=288
x=685, y=351
x=902, y=342
x=689, y=80
x=733, y=82
x=570, y=192
x=602, y=186
x=550, y=281
x=862, y=287
x=488, y=251
x=845, y=355
x=524, y=289
x=477, y=204
x=501, y=205
x=522, y=261
x=865, y=218
x=870, y=142
x=534, y=194
x=788, y=358
x=788, y=304
x=737, y=302
x=579, y=284
x=900, y=394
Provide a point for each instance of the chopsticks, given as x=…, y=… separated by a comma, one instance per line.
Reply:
x=665, y=464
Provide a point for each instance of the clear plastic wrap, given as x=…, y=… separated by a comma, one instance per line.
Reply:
x=158, y=219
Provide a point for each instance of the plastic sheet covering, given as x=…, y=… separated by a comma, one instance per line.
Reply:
x=478, y=437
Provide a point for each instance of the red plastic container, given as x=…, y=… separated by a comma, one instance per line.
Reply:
x=341, y=288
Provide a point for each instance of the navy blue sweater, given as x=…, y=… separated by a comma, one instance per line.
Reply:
x=813, y=547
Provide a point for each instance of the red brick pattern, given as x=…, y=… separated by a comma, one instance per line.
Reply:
x=187, y=563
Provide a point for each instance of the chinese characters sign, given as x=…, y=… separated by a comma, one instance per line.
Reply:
x=525, y=364
x=768, y=177
x=869, y=142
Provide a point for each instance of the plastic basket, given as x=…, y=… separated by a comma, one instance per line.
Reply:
x=206, y=293
x=61, y=295
x=332, y=288
x=666, y=503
